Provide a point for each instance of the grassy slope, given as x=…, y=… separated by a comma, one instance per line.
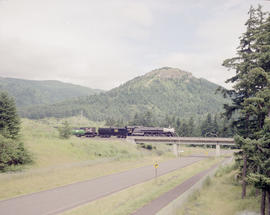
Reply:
x=59, y=162
x=220, y=196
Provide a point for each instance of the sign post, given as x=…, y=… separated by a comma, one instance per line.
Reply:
x=156, y=166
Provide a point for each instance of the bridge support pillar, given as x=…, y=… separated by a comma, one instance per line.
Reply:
x=217, y=150
x=176, y=149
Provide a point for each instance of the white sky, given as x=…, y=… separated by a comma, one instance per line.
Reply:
x=101, y=43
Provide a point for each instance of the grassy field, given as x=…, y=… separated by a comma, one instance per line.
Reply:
x=58, y=162
x=220, y=195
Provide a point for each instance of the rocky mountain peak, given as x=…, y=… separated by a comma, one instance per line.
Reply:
x=169, y=73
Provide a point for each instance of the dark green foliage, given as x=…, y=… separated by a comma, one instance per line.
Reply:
x=147, y=119
x=162, y=92
x=12, y=153
x=9, y=121
x=65, y=131
x=220, y=127
x=209, y=127
x=147, y=146
x=251, y=101
x=112, y=122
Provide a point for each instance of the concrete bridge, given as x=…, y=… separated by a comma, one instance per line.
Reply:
x=176, y=141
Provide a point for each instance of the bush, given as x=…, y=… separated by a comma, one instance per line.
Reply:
x=65, y=131
x=149, y=147
x=223, y=170
x=207, y=182
x=12, y=153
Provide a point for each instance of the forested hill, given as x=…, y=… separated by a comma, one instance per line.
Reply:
x=165, y=91
x=28, y=92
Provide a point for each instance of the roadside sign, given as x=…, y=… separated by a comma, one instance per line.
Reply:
x=156, y=166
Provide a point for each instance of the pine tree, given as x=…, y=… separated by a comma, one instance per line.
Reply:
x=12, y=151
x=191, y=127
x=247, y=82
x=9, y=120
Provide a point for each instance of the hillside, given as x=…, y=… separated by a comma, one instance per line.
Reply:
x=29, y=92
x=165, y=91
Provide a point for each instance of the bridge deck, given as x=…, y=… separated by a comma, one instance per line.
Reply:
x=185, y=140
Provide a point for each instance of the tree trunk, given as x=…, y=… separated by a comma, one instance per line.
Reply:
x=268, y=200
x=263, y=202
x=244, y=173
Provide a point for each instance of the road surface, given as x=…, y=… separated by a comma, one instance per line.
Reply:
x=63, y=198
x=157, y=204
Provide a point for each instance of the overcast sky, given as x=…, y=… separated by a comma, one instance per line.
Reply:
x=102, y=43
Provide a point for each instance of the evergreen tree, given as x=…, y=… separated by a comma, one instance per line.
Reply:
x=9, y=120
x=12, y=151
x=148, y=119
x=136, y=120
x=191, y=127
x=251, y=100
x=207, y=127
x=184, y=129
x=178, y=127
x=247, y=82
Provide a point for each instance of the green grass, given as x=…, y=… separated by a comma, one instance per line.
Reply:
x=220, y=195
x=58, y=162
x=48, y=149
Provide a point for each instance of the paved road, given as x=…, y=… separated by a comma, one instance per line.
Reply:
x=157, y=204
x=66, y=197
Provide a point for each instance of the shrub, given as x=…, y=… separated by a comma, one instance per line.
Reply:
x=149, y=147
x=223, y=170
x=65, y=131
x=12, y=153
x=207, y=182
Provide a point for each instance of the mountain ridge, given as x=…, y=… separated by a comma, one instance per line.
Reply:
x=164, y=91
x=41, y=92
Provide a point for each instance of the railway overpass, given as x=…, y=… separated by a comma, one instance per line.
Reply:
x=176, y=141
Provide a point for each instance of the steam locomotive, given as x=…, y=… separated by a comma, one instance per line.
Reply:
x=123, y=132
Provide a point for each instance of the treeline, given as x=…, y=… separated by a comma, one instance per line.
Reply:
x=209, y=126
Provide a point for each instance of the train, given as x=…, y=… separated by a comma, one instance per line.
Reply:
x=123, y=132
